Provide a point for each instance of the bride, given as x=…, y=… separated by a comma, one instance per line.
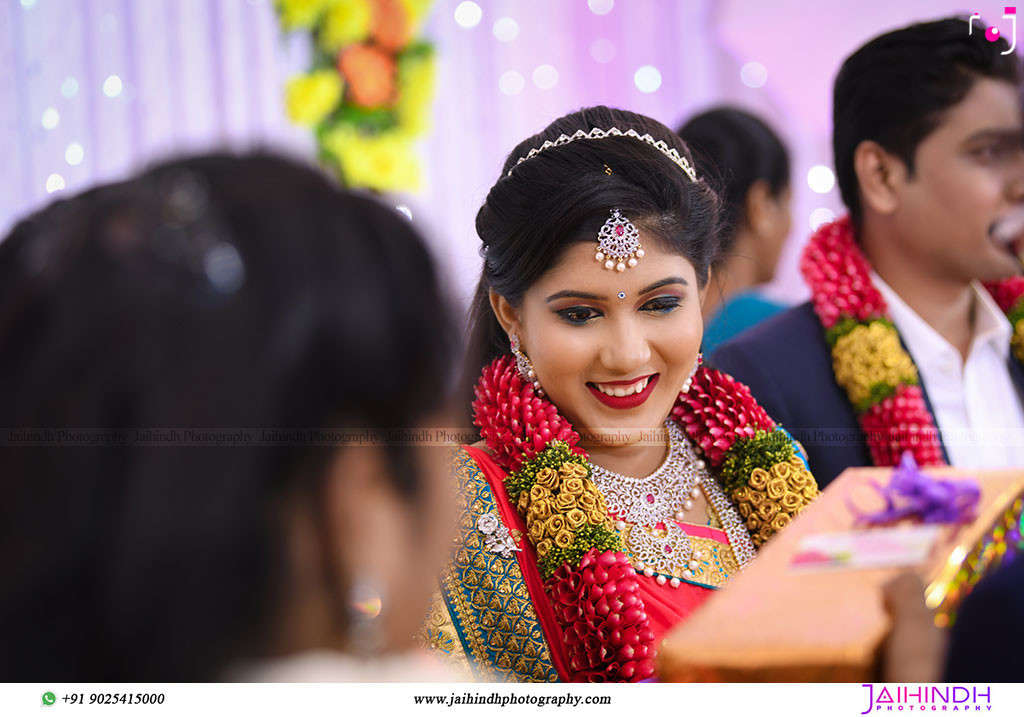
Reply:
x=618, y=480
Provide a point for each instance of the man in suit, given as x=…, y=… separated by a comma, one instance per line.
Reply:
x=927, y=135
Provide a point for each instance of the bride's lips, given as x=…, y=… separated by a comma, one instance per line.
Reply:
x=624, y=402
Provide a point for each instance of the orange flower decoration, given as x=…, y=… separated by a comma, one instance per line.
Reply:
x=370, y=74
x=391, y=27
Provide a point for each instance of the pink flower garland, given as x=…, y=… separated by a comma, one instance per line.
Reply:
x=597, y=602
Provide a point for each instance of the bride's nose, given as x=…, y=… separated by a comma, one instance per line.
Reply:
x=626, y=347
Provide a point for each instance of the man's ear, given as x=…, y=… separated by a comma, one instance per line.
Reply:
x=507, y=315
x=880, y=175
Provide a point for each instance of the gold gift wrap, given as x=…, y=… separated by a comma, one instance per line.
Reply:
x=774, y=623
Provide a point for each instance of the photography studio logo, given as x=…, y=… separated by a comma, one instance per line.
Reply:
x=992, y=33
x=928, y=698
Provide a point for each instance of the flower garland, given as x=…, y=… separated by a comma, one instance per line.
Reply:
x=869, y=362
x=368, y=93
x=592, y=585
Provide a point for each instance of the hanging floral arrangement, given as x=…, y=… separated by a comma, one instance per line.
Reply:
x=367, y=96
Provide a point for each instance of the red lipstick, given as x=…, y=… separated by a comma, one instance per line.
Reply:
x=624, y=402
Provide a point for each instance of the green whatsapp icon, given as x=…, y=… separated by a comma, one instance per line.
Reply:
x=49, y=698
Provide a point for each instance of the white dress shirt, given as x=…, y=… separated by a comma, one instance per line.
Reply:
x=975, y=403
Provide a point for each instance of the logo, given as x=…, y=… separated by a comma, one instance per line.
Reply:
x=928, y=698
x=49, y=698
x=992, y=34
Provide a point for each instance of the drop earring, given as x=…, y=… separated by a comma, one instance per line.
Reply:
x=693, y=372
x=523, y=365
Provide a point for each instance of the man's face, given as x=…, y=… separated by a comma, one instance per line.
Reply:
x=969, y=174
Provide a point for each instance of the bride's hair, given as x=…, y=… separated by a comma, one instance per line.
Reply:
x=563, y=195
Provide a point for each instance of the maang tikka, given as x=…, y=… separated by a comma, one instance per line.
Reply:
x=618, y=243
x=523, y=365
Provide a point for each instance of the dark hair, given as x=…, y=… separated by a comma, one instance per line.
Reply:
x=740, y=149
x=209, y=294
x=564, y=194
x=894, y=90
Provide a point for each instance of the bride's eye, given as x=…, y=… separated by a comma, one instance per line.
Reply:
x=578, y=315
x=661, y=304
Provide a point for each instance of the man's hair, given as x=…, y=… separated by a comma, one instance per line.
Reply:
x=894, y=90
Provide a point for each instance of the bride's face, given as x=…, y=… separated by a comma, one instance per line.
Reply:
x=592, y=333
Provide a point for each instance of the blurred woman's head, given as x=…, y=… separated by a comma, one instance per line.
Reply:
x=751, y=165
x=585, y=327
x=222, y=321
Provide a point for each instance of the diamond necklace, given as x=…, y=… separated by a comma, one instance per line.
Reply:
x=662, y=496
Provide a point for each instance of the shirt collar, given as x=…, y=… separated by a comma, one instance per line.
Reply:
x=990, y=324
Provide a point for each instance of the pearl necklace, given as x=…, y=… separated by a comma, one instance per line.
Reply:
x=664, y=496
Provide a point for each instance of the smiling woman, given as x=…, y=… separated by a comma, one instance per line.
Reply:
x=617, y=481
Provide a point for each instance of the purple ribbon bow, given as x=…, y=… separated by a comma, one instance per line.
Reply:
x=931, y=500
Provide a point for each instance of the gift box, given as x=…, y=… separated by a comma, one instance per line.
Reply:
x=783, y=620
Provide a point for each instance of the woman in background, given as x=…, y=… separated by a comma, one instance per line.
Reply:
x=753, y=170
x=184, y=357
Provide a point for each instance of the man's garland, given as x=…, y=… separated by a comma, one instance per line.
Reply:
x=870, y=364
x=592, y=585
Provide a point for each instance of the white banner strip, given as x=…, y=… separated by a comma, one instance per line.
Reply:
x=254, y=700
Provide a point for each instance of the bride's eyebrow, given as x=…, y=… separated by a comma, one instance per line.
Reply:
x=664, y=282
x=571, y=293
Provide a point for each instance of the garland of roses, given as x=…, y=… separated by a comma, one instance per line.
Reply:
x=869, y=363
x=589, y=579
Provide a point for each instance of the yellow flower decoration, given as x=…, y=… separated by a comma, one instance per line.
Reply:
x=597, y=517
x=564, y=503
x=542, y=547
x=776, y=488
x=573, y=470
x=791, y=501
x=536, y=531
x=346, y=22
x=547, y=478
x=1017, y=340
x=811, y=492
x=573, y=485
x=753, y=523
x=782, y=470
x=524, y=502
x=587, y=502
x=385, y=161
x=416, y=12
x=768, y=510
x=300, y=13
x=540, y=510
x=555, y=525
x=780, y=521
x=575, y=519
x=415, y=93
x=538, y=493
x=870, y=355
x=564, y=538
x=744, y=509
x=758, y=479
x=310, y=98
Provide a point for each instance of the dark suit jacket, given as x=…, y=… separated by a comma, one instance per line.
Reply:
x=787, y=364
